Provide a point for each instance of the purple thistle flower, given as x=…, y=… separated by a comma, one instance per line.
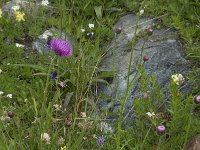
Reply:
x=54, y=75
x=197, y=99
x=100, y=141
x=160, y=129
x=60, y=47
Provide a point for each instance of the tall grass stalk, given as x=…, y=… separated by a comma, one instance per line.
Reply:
x=127, y=90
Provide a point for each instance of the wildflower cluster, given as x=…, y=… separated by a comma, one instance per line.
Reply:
x=19, y=45
x=151, y=115
x=46, y=138
x=19, y=16
x=44, y=2
x=90, y=33
x=178, y=78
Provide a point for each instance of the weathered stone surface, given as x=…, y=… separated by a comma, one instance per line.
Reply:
x=40, y=44
x=194, y=143
x=24, y=4
x=165, y=54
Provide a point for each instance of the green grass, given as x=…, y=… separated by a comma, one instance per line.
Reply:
x=35, y=93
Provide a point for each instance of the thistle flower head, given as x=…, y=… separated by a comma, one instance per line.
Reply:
x=60, y=47
x=160, y=129
x=145, y=58
x=197, y=99
x=10, y=114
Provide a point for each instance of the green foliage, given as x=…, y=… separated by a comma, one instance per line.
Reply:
x=35, y=95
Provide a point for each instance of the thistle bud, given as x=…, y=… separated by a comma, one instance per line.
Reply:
x=145, y=58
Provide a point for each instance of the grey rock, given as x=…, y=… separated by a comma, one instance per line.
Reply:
x=40, y=44
x=193, y=144
x=24, y=4
x=165, y=54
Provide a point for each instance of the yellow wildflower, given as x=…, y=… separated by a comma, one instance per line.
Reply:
x=63, y=148
x=1, y=13
x=19, y=16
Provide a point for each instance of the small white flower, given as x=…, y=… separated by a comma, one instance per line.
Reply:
x=90, y=34
x=19, y=45
x=0, y=71
x=82, y=30
x=91, y=26
x=46, y=138
x=8, y=63
x=151, y=115
x=83, y=114
x=106, y=128
x=178, y=78
x=9, y=95
x=15, y=8
x=57, y=107
x=62, y=84
x=1, y=92
x=61, y=140
x=45, y=35
x=44, y=2
x=141, y=11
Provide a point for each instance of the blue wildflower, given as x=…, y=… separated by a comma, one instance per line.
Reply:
x=101, y=141
x=54, y=75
